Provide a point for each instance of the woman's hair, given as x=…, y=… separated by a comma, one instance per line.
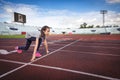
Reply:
x=43, y=29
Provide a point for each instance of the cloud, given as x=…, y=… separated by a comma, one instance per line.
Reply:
x=113, y=1
x=113, y=18
x=37, y=16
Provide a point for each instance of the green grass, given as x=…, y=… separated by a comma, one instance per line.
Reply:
x=12, y=36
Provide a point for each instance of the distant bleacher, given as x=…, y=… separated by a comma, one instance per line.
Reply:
x=10, y=29
x=3, y=29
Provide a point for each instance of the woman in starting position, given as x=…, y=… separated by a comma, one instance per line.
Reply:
x=38, y=38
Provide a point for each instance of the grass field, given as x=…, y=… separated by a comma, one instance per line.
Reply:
x=82, y=36
x=12, y=36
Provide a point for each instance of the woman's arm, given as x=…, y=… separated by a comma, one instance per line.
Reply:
x=35, y=49
x=46, y=45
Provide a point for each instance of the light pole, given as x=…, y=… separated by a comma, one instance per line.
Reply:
x=103, y=12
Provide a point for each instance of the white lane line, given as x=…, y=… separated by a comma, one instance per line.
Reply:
x=11, y=61
x=74, y=71
x=9, y=72
x=60, y=40
x=94, y=53
x=100, y=42
x=55, y=51
x=90, y=46
x=58, y=68
x=100, y=46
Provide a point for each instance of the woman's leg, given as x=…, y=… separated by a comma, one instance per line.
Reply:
x=28, y=43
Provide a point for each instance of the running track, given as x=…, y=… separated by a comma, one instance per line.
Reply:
x=71, y=57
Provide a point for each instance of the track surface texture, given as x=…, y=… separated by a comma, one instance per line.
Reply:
x=71, y=57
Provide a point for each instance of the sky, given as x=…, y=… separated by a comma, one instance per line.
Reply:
x=62, y=13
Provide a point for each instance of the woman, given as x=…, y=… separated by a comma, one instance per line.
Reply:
x=38, y=38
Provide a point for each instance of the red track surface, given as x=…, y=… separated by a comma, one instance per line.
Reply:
x=71, y=57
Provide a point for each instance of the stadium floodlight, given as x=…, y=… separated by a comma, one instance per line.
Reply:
x=103, y=12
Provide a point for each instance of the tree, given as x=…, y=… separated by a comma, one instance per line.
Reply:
x=98, y=26
x=81, y=26
x=90, y=26
x=84, y=25
x=115, y=26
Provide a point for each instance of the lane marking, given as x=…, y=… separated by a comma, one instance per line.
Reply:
x=74, y=71
x=90, y=46
x=56, y=50
x=57, y=68
x=60, y=40
x=11, y=61
x=9, y=72
x=101, y=42
x=102, y=54
x=100, y=46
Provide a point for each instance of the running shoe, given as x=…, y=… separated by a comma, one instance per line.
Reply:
x=38, y=54
x=18, y=50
